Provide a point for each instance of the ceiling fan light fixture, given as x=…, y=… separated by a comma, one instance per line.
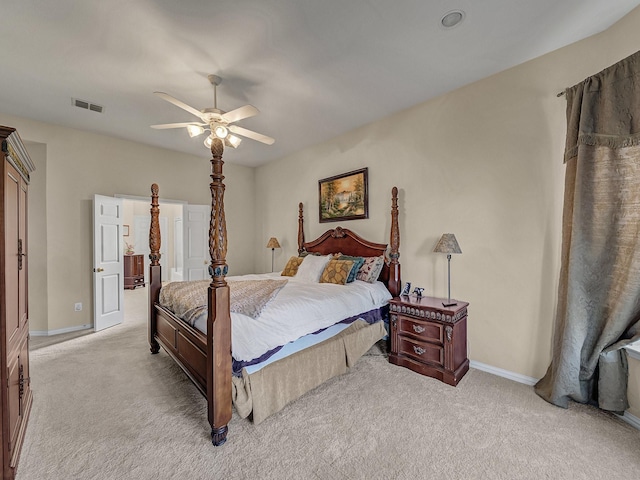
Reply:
x=218, y=123
x=221, y=131
x=194, y=130
x=232, y=141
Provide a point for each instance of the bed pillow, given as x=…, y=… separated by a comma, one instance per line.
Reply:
x=337, y=271
x=291, y=267
x=305, y=253
x=370, y=270
x=357, y=263
x=311, y=268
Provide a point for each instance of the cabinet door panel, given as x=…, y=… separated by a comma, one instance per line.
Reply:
x=14, y=401
x=12, y=283
x=23, y=267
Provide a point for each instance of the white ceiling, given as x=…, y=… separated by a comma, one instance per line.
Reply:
x=314, y=68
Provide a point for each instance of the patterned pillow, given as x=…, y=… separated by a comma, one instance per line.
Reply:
x=312, y=267
x=291, y=268
x=305, y=253
x=337, y=271
x=370, y=270
x=357, y=263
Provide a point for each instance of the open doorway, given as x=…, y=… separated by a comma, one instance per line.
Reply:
x=183, y=250
x=184, y=246
x=136, y=220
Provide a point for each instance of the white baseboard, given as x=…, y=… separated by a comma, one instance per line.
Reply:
x=516, y=377
x=631, y=419
x=48, y=333
x=633, y=351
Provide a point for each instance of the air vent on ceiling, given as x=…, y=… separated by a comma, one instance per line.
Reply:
x=86, y=105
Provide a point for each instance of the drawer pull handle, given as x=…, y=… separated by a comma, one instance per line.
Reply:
x=418, y=328
x=418, y=350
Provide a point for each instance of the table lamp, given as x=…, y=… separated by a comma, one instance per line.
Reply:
x=273, y=244
x=448, y=244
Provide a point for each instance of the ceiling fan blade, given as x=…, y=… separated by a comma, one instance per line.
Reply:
x=178, y=103
x=240, y=113
x=176, y=125
x=252, y=135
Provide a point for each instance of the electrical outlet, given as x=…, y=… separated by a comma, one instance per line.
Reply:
x=77, y=307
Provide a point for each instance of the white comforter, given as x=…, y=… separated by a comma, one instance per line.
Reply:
x=299, y=308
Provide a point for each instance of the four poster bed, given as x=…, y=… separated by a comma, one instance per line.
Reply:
x=203, y=348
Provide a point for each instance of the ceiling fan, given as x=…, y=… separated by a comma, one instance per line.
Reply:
x=218, y=122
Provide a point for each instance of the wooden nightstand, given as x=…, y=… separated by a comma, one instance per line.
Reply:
x=133, y=271
x=429, y=338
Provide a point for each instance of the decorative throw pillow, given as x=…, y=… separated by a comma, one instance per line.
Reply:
x=305, y=253
x=337, y=271
x=311, y=268
x=370, y=270
x=357, y=263
x=291, y=267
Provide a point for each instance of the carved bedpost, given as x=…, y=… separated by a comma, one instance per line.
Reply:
x=394, y=253
x=154, y=231
x=155, y=270
x=219, y=318
x=300, y=229
x=218, y=225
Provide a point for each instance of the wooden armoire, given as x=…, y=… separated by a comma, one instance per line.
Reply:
x=15, y=394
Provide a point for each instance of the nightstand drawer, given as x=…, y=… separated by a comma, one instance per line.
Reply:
x=422, y=351
x=427, y=331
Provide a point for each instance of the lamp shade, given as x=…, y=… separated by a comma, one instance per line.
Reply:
x=447, y=244
x=232, y=140
x=273, y=243
x=194, y=130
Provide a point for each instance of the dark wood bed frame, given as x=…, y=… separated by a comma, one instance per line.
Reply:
x=206, y=359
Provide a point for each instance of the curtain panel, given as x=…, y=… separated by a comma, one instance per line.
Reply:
x=598, y=308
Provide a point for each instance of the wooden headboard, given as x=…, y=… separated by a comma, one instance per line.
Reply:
x=348, y=242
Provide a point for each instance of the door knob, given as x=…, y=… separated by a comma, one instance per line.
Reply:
x=98, y=270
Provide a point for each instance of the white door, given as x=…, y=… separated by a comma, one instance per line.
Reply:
x=196, y=241
x=178, y=252
x=108, y=279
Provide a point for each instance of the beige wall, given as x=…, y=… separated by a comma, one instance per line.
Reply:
x=483, y=162
x=37, y=239
x=79, y=164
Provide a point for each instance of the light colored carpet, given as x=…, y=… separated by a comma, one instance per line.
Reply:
x=104, y=408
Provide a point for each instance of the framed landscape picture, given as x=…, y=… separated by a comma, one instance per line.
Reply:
x=344, y=197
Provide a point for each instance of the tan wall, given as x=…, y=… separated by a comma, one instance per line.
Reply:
x=483, y=162
x=37, y=243
x=80, y=164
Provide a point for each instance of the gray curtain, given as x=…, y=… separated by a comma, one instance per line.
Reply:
x=599, y=292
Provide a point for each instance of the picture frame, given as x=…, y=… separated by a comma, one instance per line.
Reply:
x=125, y=230
x=344, y=196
